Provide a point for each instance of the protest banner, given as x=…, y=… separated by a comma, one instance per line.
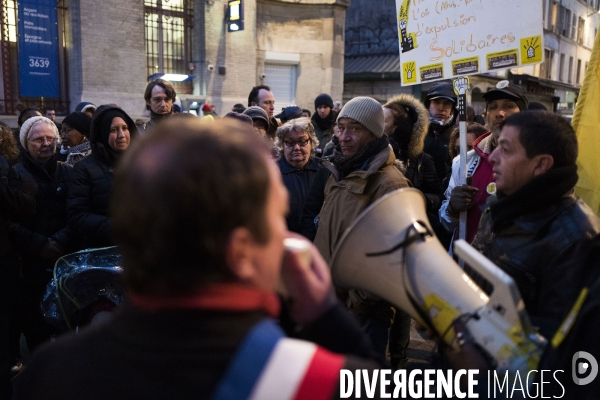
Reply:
x=451, y=38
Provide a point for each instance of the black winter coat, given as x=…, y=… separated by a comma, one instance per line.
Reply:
x=137, y=356
x=436, y=145
x=523, y=233
x=92, y=185
x=313, y=203
x=89, y=195
x=48, y=184
x=298, y=182
x=15, y=204
x=581, y=263
x=420, y=171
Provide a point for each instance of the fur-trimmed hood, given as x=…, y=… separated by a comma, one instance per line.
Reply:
x=421, y=126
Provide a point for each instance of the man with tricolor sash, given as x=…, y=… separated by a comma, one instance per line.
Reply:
x=199, y=215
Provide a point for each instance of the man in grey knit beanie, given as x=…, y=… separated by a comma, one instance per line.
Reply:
x=363, y=169
x=367, y=112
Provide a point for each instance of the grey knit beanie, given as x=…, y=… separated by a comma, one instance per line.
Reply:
x=256, y=112
x=27, y=125
x=366, y=111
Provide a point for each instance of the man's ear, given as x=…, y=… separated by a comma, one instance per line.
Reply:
x=543, y=163
x=238, y=254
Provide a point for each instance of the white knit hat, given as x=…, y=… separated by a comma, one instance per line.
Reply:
x=366, y=111
x=27, y=125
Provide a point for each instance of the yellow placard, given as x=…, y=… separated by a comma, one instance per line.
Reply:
x=409, y=72
x=432, y=72
x=408, y=40
x=465, y=66
x=531, y=50
x=503, y=59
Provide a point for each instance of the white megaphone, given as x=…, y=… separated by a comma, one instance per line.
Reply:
x=390, y=251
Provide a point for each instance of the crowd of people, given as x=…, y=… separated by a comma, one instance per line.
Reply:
x=200, y=207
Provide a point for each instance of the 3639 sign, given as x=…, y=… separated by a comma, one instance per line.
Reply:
x=38, y=49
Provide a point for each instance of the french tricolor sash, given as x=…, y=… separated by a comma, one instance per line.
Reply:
x=270, y=366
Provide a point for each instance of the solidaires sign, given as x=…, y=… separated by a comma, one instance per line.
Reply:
x=445, y=39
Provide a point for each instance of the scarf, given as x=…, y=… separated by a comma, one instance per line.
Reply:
x=323, y=123
x=227, y=297
x=46, y=170
x=540, y=192
x=346, y=165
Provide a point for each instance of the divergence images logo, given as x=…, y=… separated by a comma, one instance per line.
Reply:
x=582, y=363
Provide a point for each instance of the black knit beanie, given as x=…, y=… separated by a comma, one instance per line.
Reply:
x=79, y=121
x=323, y=100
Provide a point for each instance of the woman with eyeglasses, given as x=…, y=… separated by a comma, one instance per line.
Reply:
x=110, y=135
x=297, y=142
x=42, y=238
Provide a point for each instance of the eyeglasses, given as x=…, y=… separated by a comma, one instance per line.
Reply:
x=43, y=140
x=292, y=143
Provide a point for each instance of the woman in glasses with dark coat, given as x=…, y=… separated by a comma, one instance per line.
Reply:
x=42, y=238
x=296, y=141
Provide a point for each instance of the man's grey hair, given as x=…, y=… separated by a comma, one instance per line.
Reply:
x=297, y=125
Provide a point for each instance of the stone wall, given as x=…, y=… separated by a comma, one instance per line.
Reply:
x=106, y=59
x=314, y=31
x=106, y=54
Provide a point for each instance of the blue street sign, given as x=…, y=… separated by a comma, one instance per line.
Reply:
x=38, y=48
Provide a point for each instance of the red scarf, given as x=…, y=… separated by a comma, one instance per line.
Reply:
x=218, y=297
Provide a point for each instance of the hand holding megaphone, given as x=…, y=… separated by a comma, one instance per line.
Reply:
x=307, y=281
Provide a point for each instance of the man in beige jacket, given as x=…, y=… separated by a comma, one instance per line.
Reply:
x=363, y=169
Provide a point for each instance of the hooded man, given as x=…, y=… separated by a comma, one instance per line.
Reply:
x=504, y=100
x=323, y=119
x=363, y=169
x=406, y=123
x=441, y=104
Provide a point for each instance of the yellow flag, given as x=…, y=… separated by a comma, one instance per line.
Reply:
x=586, y=122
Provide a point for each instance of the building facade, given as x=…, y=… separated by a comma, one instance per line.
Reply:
x=108, y=51
x=570, y=27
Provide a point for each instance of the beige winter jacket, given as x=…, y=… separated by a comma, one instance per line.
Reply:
x=346, y=199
